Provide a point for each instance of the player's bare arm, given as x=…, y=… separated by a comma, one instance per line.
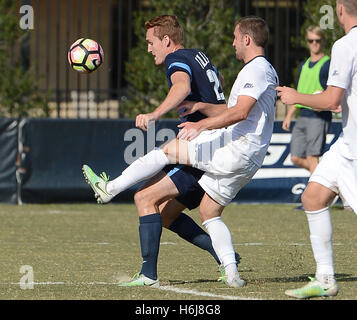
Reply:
x=208, y=109
x=239, y=112
x=330, y=99
x=288, y=117
x=180, y=89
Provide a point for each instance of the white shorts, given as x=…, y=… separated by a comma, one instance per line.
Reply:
x=339, y=174
x=227, y=168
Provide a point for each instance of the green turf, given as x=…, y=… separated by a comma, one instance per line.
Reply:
x=82, y=251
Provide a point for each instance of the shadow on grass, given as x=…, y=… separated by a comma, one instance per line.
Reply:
x=340, y=277
x=178, y=282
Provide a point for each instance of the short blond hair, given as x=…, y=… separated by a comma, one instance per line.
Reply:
x=316, y=30
x=350, y=6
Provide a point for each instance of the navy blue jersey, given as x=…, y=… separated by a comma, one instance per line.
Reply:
x=205, y=84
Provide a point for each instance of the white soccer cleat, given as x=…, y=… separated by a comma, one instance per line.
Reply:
x=236, y=282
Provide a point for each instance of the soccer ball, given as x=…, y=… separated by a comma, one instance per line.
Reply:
x=85, y=55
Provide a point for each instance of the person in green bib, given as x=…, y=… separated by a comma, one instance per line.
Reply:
x=309, y=133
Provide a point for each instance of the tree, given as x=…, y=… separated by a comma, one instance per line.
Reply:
x=208, y=25
x=19, y=91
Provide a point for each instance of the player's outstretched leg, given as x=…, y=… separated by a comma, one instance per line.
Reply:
x=98, y=184
x=141, y=169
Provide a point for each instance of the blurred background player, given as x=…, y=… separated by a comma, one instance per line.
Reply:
x=308, y=137
x=337, y=171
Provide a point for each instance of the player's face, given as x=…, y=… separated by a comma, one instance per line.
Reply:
x=156, y=47
x=314, y=42
x=238, y=44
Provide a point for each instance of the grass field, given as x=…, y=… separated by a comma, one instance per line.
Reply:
x=82, y=251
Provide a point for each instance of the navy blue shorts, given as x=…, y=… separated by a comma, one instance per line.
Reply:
x=186, y=181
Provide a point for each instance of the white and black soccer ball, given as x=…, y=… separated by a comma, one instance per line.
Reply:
x=85, y=55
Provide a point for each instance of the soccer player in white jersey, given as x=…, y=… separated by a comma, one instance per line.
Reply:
x=337, y=171
x=229, y=146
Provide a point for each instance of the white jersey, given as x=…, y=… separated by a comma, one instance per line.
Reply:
x=343, y=74
x=258, y=80
x=230, y=157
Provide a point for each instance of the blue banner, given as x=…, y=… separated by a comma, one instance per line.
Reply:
x=41, y=159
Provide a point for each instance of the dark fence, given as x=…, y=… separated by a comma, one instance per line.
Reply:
x=41, y=159
x=58, y=23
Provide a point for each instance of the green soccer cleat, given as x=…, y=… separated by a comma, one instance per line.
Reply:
x=98, y=184
x=314, y=288
x=222, y=278
x=140, y=280
x=236, y=282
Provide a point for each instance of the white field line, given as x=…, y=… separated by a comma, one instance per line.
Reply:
x=164, y=288
x=203, y=294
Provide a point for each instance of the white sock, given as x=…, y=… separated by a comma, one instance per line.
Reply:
x=141, y=169
x=321, y=241
x=222, y=245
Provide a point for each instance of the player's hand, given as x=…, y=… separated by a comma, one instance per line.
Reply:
x=143, y=120
x=286, y=124
x=189, y=130
x=287, y=95
x=188, y=107
x=337, y=110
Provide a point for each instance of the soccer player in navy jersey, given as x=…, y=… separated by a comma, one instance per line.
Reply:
x=230, y=146
x=191, y=77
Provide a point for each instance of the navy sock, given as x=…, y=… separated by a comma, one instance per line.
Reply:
x=150, y=228
x=189, y=230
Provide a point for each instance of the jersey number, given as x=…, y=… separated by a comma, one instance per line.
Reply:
x=212, y=77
